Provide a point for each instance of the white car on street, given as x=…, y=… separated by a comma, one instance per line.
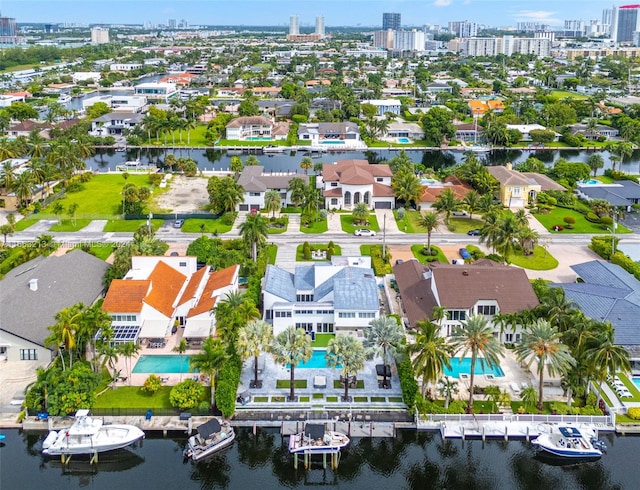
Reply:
x=364, y=232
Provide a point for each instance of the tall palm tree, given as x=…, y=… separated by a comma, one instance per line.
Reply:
x=608, y=358
x=181, y=347
x=433, y=353
x=447, y=203
x=23, y=187
x=254, y=337
x=541, y=343
x=556, y=309
x=349, y=353
x=254, y=232
x=312, y=201
x=272, y=201
x=406, y=186
x=360, y=212
x=507, y=235
x=235, y=165
x=7, y=176
x=306, y=164
x=384, y=336
x=472, y=202
x=209, y=360
x=429, y=221
x=476, y=336
x=63, y=332
x=290, y=347
x=129, y=350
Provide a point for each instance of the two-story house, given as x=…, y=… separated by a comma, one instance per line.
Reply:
x=336, y=297
x=345, y=183
x=115, y=123
x=256, y=183
x=160, y=294
x=517, y=189
x=250, y=128
x=483, y=288
x=342, y=134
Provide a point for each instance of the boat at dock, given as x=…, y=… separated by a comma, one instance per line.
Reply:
x=212, y=436
x=135, y=166
x=273, y=149
x=89, y=435
x=64, y=99
x=570, y=442
x=315, y=439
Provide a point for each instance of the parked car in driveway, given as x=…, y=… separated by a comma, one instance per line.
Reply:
x=464, y=253
x=473, y=233
x=460, y=213
x=363, y=232
x=178, y=223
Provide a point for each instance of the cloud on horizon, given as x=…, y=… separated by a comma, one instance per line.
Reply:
x=542, y=16
x=442, y=3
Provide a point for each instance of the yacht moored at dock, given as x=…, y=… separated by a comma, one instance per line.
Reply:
x=569, y=442
x=88, y=435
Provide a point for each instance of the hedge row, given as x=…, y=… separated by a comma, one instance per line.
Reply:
x=602, y=246
x=227, y=386
x=254, y=285
x=408, y=381
x=381, y=266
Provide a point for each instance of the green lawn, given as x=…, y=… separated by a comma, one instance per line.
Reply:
x=195, y=225
x=463, y=225
x=286, y=383
x=416, y=249
x=275, y=230
x=332, y=399
x=130, y=225
x=631, y=387
x=556, y=216
x=316, y=246
x=346, y=220
x=409, y=224
x=101, y=197
x=359, y=385
x=272, y=251
x=25, y=223
x=134, y=397
x=70, y=225
x=101, y=250
x=315, y=226
x=563, y=94
x=322, y=340
x=541, y=260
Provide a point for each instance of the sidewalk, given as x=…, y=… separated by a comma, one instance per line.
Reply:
x=235, y=229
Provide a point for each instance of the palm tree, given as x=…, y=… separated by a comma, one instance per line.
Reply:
x=312, y=202
x=447, y=203
x=447, y=388
x=506, y=237
x=384, y=336
x=23, y=187
x=129, y=350
x=306, y=164
x=429, y=221
x=209, y=360
x=595, y=162
x=476, y=336
x=181, y=347
x=346, y=351
x=529, y=396
x=7, y=176
x=556, y=309
x=406, y=186
x=360, y=212
x=272, y=201
x=254, y=231
x=252, y=161
x=254, y=337
x=290, y=347
x=297, y=188
x=231, y=194
x=608, y=358
x=235, y=165
x=472, y=202
x=433, y=353
x=63, y=332
x=542, y=343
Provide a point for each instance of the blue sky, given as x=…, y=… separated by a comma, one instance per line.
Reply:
x=277, y=12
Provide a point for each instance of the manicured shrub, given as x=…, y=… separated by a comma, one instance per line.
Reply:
x=306, y=251
x=592, y=217
x=186, y=395
x=381, y=266
x=408, y=381
x=227, y=384
x=606, y=220
x=228, y=218
x=634, y=413
x=152, y=384
x=400, y=212
x=570, y=221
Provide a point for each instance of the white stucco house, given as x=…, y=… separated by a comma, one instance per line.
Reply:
x=345, y=183
x=256, y=183
x=337, y=297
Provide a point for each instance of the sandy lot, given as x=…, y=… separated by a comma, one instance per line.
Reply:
x=185, y=194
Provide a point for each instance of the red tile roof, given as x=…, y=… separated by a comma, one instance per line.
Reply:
x=217, y=280
x=166, y=283
x=192, y=287
x=125, y=296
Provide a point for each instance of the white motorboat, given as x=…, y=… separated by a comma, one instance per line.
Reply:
x=569, y=442
x=64, y=99
x=89, y=435
x=212, y=436
x=316, y=439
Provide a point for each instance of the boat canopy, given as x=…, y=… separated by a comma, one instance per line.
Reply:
x=208, y=428
x=569, y=432
x=314, y=431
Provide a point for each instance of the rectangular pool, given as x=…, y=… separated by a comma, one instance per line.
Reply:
x=462, y=365
x=162, y=364
x=636, y=381
x=317, y=360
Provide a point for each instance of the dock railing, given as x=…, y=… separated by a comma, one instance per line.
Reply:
x=434, y=421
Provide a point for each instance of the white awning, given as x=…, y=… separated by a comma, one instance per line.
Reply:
x=155, y=328
x=197, y=328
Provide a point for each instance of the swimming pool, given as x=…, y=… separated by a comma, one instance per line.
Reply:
x=462, y=365
x=590, y=182
x=258, y=138
x=404, y=140
x=332, y=142
x=428, y=181
x=162, y=364
x=317, y=360
x=636, y=381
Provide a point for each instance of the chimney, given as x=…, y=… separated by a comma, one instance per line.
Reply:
x=33, y=284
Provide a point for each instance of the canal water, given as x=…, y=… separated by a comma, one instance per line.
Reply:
x=412, y=460
x=215, y=159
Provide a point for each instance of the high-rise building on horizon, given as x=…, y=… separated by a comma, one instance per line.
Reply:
x=320, y=26
x=463, y=28
x=607, y=20
x=625, y=23
x=8, y=30
x=294, y=28
x=99, y=35
x=391, y=20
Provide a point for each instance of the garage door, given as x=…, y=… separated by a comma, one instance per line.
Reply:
x=516, y=202
x=244, y=207
x=383, y=205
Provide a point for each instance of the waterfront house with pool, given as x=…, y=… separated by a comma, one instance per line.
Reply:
x=158, y=295
x=340, y=297
x=482, y=288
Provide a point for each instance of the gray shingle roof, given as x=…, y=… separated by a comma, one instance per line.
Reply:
x=62, y=281
x=358, y=293
x=608, y=293
x=280, y=282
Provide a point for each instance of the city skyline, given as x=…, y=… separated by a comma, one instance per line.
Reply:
x=278, y=12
